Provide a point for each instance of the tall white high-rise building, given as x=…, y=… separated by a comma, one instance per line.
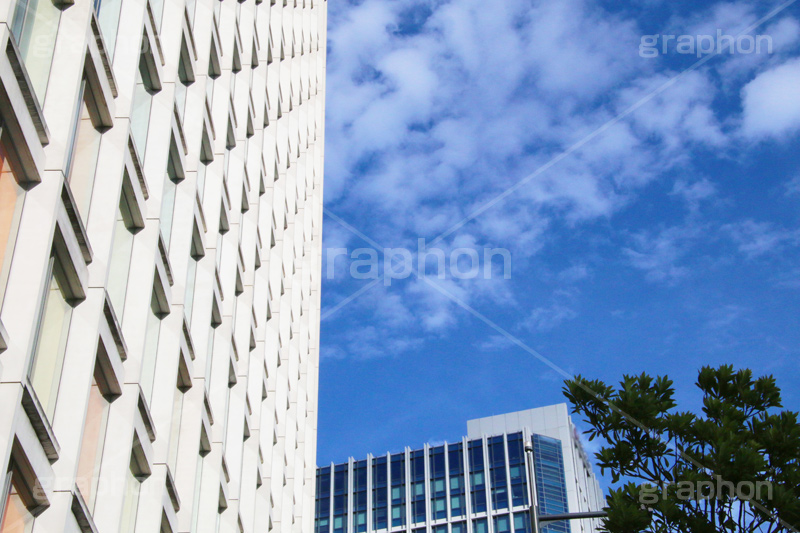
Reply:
x=480, y=484
x=161, y=170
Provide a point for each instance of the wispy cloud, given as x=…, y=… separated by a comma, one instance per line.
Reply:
x=755, y=239
x=659, y=254
x=562, y=308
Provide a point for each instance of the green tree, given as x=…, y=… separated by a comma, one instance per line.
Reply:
x=732, y=468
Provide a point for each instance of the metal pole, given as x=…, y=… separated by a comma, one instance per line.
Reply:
x=573, y=516
x=534, y=510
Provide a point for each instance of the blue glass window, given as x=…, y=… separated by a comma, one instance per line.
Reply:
x=458, y=527
x=322, y=510
x=455, y=462
x=476, y=477
x=339, y=498
x=418, y=486
x=438, y=486
x=398, y=475
x=360, y=497
x=522, y=523
x=502, y=524
x=497, y=464
x=480, y=526
x=516, y=466
x=550, y=481
x=380, y=493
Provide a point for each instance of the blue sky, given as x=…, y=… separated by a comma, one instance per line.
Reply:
x=654, y=224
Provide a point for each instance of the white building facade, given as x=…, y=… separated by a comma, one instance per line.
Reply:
x=478, y=485
x=161, y=171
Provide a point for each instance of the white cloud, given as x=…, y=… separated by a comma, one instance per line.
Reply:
x=426, y=122
x=695, y=193
x=574, y=274
x=546, y=318
x=771, y=102
x=659, y=254
x=755, y=239
x=793, y=187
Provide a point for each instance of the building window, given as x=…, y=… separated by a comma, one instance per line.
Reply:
x=94, y=436
x=130, y=504
x=175, y=427
x=51, y=338
x=142, y=103
x=323, y=503
x=502, y=524
x=197, y=253
x=458, y=527
x=185, y=78
x=83, y=154
x=551, y=484
x=340, y=499
x=497, y=465
x=168, y=203
x=522, y=523
x=360, y=497
x=150, y=354
x=516, y=465
x=476, y=477
x=35, y=27
x=16, y=517
x=108, y=12
x=398, y=473
x=480, y=526
x=418, y=486
x=438, y=483
x=455, y=463
x=11, y=200
x=122, y=248
x=380, y=494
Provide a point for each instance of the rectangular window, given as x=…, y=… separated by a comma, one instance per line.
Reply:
x=198, y=478
x=85, y=149
x=121, y=250
x=93, y=440
x=550, y=481
x=130, y=505
x=35, y=27
x=140, y=112
x=16, y=517
x=477, y=479
x=175, y=427
x=380, y=496
x=517, y=472
x=11, y=200
x=108, y=12
x=188, y=300
x=497, y=462
x=398, y=475
x=522, y=523
x=149, y=357
x=185, y=78
x=438, y=485
x=51, y=339
x=502, y=524
x=458, y=527
x=168, y=206
x=480, y=526
x=418, y=486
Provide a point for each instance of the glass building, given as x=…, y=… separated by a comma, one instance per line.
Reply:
x=478, y=485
